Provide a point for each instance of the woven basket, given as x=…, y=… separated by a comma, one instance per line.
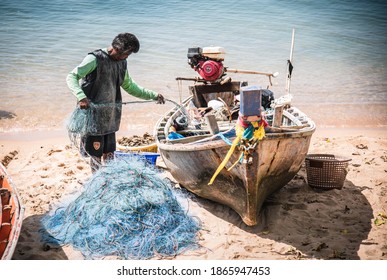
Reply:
x=326, y=171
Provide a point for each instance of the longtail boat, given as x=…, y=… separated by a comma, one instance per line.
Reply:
x=247, y=148
x=11, y=215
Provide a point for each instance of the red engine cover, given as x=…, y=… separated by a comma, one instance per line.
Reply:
x=210, y=70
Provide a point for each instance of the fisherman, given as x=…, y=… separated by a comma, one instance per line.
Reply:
x=98, y=80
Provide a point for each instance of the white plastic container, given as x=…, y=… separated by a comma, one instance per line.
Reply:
x=216, y=53
x=215, y=104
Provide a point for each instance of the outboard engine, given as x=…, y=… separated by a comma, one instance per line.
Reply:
x=207, y=62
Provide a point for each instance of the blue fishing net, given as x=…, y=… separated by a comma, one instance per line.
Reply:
x=81, y=123
x=126, y=210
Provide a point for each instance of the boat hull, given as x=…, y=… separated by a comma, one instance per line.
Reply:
x=11, y=215
x=244, y=188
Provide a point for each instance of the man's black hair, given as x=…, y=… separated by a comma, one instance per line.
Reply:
x=126, y=41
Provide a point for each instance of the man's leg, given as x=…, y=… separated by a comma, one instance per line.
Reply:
x=94, y=148
x=109, y=147
x=95, y=163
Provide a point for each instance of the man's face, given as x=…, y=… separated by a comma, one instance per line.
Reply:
x=119, y=55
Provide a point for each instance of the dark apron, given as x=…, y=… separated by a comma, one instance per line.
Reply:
x=102, y=88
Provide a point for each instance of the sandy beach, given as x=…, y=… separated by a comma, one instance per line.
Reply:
x=297, y=222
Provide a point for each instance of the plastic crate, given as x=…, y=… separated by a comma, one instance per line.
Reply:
x=326, y=171
x=148, y=156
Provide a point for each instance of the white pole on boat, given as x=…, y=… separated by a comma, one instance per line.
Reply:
x=275, y=74
x=289, y=65
x=251, y=72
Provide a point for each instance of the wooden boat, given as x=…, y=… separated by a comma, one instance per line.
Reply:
x=194, y=159
x=11, y=215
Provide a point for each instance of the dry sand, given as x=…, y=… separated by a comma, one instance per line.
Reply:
x=298, y=222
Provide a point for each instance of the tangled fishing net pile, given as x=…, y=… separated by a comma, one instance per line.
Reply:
x=126, y=210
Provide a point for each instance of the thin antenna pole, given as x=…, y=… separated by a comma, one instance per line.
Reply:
x=290, y=65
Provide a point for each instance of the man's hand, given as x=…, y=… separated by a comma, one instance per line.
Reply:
x=160, y=99
x=84, y=103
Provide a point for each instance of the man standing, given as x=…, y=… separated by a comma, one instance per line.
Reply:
x=102, y=74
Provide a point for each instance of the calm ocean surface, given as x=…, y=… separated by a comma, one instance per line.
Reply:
x=340, y=54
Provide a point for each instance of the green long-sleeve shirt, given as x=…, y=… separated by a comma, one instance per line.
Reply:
x=88, y=65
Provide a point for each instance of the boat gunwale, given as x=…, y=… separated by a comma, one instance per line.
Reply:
x=213, y=144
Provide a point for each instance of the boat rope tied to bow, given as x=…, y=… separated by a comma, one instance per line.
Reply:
x=247, y=139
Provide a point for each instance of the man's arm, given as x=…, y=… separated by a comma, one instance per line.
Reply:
x=130, y=86
x=87, y=66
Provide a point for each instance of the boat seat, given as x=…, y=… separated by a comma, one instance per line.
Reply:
x=202, y=94
x=187, y=139
x=3, y=245
x=5, y=196
x=5, y=230
x=6, y=214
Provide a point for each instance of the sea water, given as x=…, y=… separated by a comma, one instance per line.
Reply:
x=339, y=56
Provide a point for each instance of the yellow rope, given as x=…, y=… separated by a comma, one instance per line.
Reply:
x=235, y=163
x=226, y=159
x=259, y=133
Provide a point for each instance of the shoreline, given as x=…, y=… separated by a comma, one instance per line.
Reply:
x=57, y=135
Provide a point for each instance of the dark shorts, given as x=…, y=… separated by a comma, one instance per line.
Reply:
x=98, y=145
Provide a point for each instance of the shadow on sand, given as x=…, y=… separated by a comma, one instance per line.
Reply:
x=30, y=245
x=317, y=224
